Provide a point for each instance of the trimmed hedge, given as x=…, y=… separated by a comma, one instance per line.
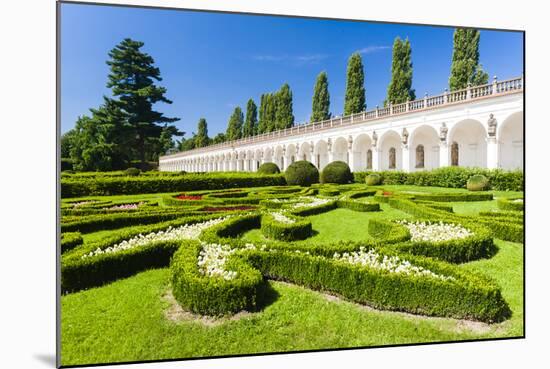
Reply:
x=453, y=177
x=357, y=205
x=214, y=295
x=479, y=245
x=299, y=230
x=454, y=196
x=78, y=273
x=268, y=168
x=69, y=240
x=301, y=173
x=469, y=296
x=93, y=223
x=336, y=172
x=313, y=210
x=117, y=185
x=504, y=203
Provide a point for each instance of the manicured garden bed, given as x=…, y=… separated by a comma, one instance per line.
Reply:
x=429, y=251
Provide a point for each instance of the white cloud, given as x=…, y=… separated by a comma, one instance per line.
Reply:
x=293, y=59
x=372, y=49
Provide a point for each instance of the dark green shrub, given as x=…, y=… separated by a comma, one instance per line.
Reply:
x=268, y=168
x=66, y=165
x=468, y=295
x=358, y=205
x=121, y=184
x=214, y=295
x=69, y=240
x=373, y=179
x=477, y=182
x=504, y=203
x=132, y=172
x=336, y=172
x=301, y=173
x=299, y=230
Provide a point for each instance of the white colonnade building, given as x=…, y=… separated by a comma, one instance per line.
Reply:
x=479, y=126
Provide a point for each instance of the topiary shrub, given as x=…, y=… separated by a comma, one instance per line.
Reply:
x=477, y=182
x=301, y=173
x=336, y=172
x=132, y=172
x=269, y=168
x=373, y=179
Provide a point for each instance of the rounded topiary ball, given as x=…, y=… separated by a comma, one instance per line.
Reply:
x=373, y=179
x=301, y=173
x=336, y=172
x=132, y=172
x=269, y=168
x=477, y=182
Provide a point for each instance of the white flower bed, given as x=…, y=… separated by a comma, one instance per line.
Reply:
x=77, y=204
x=518, y=200
x=310, y=202
x=282, y=218
x=391, y=264
x=126, y=206
x=185, y=232
x=435, y=232
x=212, y=258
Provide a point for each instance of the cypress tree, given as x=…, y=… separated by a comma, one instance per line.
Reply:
x=235, y=125
x=250, y=123
x=201, y=138
x=465, y=67
x=400, y=87
x=284, y=118
x=270, y=112
x=355, y=86
x=320, y=109
x=262, y=122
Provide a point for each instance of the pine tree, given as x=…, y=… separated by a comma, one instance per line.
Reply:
x=219, y=138
x=355, y=86
x=250, y=123
x=465, y=67
x=132, y=79
x=235, y=125
x=400, y=87
x=321, y=99
x=284, y=118
x=202, y=139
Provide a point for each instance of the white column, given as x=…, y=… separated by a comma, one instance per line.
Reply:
x=375, y=159
x=351, y=160
x=443, y=154
x=405, y=158
x=246, y=165
x=492, y=153
x=330, y=157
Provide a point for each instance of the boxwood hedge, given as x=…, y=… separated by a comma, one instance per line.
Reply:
x=299, y=230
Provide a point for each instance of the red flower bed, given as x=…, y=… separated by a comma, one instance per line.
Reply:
x=188, y=197
x=230, y=208
x=387, y=193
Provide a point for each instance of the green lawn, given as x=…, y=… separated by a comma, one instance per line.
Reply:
x=339, y=224
x=126, y=320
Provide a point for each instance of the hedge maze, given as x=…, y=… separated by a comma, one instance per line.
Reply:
x=410, y=265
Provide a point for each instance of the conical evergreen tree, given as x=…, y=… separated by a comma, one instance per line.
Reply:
x=465, y=67
x=270, y=112
x=400, y=87
x=320, y=109
x=235, y=125
x=201, y=138
x=132, y=80
x=355, y=86
x=284, y=117
x=250, y=123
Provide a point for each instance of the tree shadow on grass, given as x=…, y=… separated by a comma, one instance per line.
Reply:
x=269, y=296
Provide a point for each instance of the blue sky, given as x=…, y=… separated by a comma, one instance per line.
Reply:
x=212, y=62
